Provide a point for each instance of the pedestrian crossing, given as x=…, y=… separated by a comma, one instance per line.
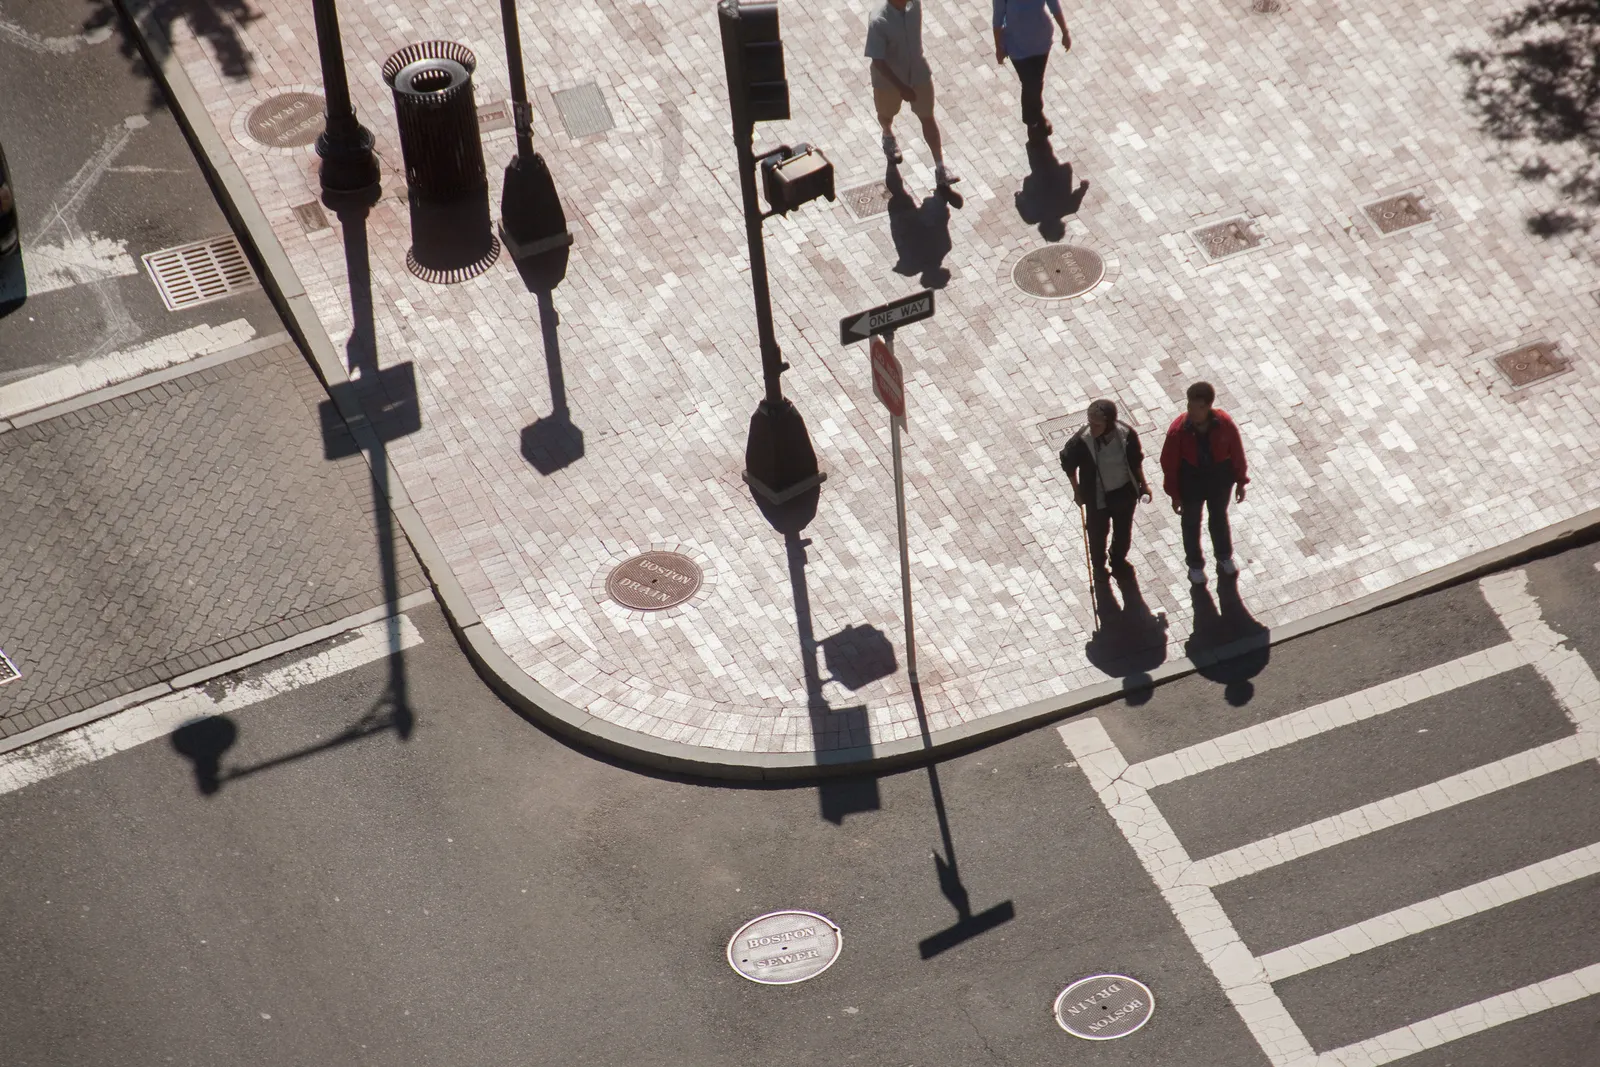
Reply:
x=1189, y=884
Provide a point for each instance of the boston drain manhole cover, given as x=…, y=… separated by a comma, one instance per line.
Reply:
x=784, y=947
x=1104, y=1006
x=288, y=120
x=654, y=580
x=1059, y=271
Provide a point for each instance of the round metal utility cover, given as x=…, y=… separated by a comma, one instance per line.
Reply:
x=1059, y=271
x=785, y=947
x=1104, y=1006
x=288, y=120
x=654, y=580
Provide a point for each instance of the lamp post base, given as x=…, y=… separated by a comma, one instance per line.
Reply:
x=532, y=221
x=349, y=167
x=779, y=461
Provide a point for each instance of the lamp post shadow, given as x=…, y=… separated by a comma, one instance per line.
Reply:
x=551, y=442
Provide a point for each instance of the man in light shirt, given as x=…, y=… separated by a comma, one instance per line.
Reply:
x=1022, y=32
x=900, y=75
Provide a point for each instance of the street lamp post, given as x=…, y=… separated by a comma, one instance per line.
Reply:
x=531, y=218
x=348, y=163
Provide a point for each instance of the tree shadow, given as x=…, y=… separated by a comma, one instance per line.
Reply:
x=1047, y=196
x=1536, y=89
x=921, y=232
x=1228, y=646
x=1131, y=640
x=551, y=441
x=215, y=22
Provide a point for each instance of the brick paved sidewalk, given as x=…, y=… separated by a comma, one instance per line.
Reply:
x=1361, y=365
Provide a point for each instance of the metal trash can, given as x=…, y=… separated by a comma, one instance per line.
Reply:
x=439, y=140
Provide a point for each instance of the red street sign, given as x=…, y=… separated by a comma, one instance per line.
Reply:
x=886, y=380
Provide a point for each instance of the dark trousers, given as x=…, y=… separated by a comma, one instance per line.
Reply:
x=1031, y=72
x=1117, y=518
x=1214, y=500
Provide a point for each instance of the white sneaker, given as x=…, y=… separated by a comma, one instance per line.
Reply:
x=944, y=177
x=891, y=150
x=1228, y=567
x=1197, y=576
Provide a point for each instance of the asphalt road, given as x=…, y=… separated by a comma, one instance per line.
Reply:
x=102, y=175
x=477, y=893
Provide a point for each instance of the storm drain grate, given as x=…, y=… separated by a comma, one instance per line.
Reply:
x=1531, y=363
x=201, y=272
x=1395, y=213
x=583, y=110
x=865, y=201
x=1227, y=238
x=8, y=670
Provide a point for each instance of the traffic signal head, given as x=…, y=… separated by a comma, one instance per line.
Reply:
x=753, y=53
x=797, y=177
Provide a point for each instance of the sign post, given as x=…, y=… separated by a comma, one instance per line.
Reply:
x=889, y=384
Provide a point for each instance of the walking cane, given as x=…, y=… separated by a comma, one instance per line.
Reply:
x=1088, y=563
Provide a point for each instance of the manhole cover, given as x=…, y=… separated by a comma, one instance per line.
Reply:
x=1398, y=212
x=1531, y=362
x=1104, y=1006
x=1059, y=271
x=785, y=947
x=583, y=110
x=1226, y=238
x=654, y=580
x=288, y=120
x=311, y=217
x=200, y=272
x=8, y=670
x=865, y=201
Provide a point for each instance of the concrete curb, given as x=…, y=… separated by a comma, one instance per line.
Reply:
x=542, y=706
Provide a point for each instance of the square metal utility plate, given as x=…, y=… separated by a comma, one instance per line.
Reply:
x=311, y=217
x=865, y=201
x=1531, y=362
x=1230, y=237
x=583, y=110
x=1395, y=213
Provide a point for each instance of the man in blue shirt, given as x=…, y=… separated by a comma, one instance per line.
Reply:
x=1022, y=31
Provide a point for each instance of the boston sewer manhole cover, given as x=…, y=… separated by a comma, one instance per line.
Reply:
x=654, y=580
x=1059, y=271
x=784, y=947
x=1104, y=1006
x=288, y=120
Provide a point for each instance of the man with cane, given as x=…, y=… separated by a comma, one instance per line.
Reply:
x=1106, y=466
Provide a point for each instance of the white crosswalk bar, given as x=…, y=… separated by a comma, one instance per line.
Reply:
x=1516, y=769
x=1428, y=914
x=1329, y=715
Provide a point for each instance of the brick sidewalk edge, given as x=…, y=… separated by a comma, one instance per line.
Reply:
x=630, y=747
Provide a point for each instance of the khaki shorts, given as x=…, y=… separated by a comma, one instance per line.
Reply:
x=888, y=101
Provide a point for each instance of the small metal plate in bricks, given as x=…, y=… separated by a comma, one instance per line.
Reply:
x=288, y=120
x=200, y=272
x=583, y=110
x=1104, y=1006
x=1531, y=362
x=1059, y=271
x=865, y=201
x=784, y=947
x=8, y=670
x=1226, y=238
x=654, y=580
x=311, y=217
x=494, y=116
x=1266, y=7
x=1395, y=213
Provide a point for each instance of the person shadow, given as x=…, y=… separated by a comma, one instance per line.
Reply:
x=1228, y=646
x=1130, y=640
x=921, y=232
x=1047, y=196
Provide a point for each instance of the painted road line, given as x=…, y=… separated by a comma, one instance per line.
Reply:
x=1434, y=797
x=160, y=717
x=1468, y=1019
x=1566, y=671
x=1241, y=975
x=1330, y=715
x=1428, y=914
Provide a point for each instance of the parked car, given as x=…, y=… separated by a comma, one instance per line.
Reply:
x=9, y=241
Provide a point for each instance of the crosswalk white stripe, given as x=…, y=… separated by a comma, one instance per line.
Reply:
x=1467, y=1019
x=147, y=722
x=1330, y=715
x=1426, y=915
x=1480, y=781
x=1567, y=672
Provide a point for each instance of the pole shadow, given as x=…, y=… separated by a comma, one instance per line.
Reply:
x=1047, y=196
x=921, y=232
x=1228, y=646
x=551, y=441
x=204, y=742
x=1132, y=640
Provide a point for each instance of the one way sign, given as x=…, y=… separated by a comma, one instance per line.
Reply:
x=859, y=327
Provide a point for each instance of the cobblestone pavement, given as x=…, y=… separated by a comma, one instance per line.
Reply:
x=1360, y=365
x=173, y=528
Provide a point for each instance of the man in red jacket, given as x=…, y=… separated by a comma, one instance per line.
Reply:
x=1203, y=464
